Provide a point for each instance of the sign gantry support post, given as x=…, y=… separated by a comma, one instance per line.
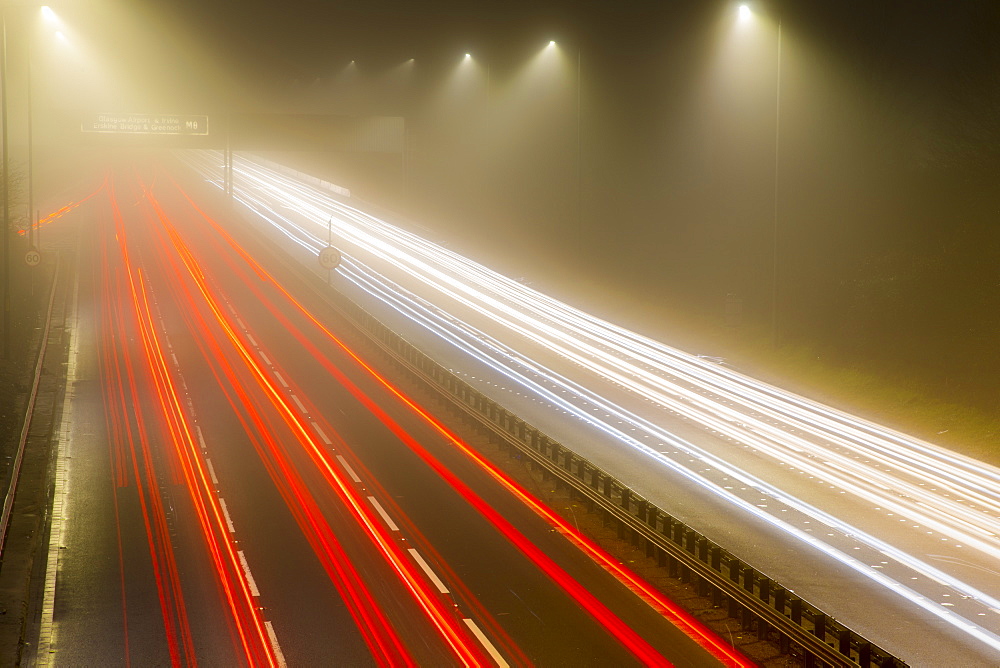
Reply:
x=6, y=187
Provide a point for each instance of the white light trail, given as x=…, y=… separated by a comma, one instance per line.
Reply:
x=945, y=493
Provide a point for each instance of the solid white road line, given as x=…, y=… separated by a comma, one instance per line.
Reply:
x=385, y=515
x=476, y=631
x=45, y=653
x=427, y=569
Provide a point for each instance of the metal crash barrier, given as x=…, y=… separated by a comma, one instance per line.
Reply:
x=761, y=604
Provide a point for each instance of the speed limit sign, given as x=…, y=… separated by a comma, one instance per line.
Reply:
x=329, y=258
x=32, y=257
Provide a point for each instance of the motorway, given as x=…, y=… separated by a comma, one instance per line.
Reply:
x=904, y=534
x=236, y=486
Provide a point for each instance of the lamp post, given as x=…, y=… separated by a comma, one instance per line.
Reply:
x=744, y=15
x=6, y=187
x=579, y=140
x=777, y=138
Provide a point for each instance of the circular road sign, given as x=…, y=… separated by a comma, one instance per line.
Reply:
x=329, y=258
x=32, y=257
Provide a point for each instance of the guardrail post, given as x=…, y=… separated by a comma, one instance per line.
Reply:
x=864, y=655
x=668, y=525
x=716, y=558
x=749, y=575
x=734, y=575
x=627, y=500
x=819, y=625
x=703, y=587
x=640, y=512
x=651, y=516
x=797, y=611
x=764, y=589
x=844, y=642
x=607, y=487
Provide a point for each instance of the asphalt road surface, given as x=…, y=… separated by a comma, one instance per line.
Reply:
x=896, y=537
x=237, y=488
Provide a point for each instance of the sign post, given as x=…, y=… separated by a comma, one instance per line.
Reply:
x=329, y=259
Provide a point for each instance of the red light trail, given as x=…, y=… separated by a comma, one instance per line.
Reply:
x=148, y=254
x=680, y=618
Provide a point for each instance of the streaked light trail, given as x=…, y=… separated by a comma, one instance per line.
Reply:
x=922, y=500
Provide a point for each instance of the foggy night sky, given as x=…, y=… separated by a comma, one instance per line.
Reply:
x=889, y=147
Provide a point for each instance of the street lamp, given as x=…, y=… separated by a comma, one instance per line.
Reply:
x=6, y=186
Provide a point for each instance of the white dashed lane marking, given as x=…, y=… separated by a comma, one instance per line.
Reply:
x=476, y=631
x=278, y=655
x=246, y=570
x=211, y=472
x=385, y=516
x=427, y=569
x=299, y=403
x=322, y=434
x=347, y=467
x=229, y=520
